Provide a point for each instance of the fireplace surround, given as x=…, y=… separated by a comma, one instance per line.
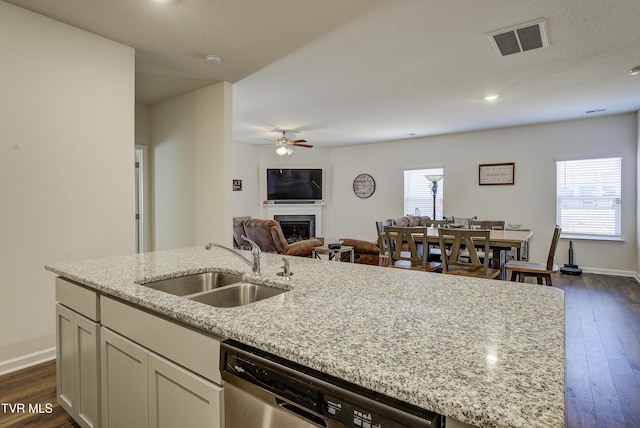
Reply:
x=296, y=214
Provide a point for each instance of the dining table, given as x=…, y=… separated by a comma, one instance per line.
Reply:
x=503, y=241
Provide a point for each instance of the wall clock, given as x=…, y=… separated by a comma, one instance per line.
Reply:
x=364, y=185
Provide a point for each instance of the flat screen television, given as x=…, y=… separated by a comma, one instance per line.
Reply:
x=294, y=184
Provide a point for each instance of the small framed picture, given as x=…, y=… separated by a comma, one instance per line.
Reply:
x=237, y=185
x=496, y=173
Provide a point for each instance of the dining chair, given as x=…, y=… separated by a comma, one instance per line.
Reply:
x=489, y=224
x=382, y=241
x=409, y=248
x=520, y=270
x=434, y=249
x=467, y=240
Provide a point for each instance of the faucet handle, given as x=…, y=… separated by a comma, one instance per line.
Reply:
x=286, y=268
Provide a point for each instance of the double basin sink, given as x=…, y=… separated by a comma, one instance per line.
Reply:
x=219, y=289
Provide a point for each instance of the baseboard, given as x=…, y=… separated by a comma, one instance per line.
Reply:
x=25, y=361
x=612, y=272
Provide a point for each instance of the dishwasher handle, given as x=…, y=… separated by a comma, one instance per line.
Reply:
x=300, y=412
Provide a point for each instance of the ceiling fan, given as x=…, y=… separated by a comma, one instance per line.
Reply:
x=284, y=145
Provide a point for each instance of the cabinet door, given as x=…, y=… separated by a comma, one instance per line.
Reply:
x=65, y=359
x=179, y=398
x=87, y=371
x=124, y=382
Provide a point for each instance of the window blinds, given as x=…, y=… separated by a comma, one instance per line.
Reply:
x=418, y=195
x=589, y=197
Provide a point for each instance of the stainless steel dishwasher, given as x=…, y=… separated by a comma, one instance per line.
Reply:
x=265, y=391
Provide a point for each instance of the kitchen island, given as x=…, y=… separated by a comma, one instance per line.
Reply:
x=484, y=352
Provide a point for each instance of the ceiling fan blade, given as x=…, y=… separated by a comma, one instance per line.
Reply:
x=301, y=145
x=297, y=141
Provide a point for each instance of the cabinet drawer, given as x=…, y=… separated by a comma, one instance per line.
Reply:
x=78, y=298
x=196, y=351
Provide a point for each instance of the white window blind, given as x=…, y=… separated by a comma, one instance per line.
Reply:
x=418, y=195
x=589, y=197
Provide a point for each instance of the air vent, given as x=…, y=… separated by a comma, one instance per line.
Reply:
x=521, y=38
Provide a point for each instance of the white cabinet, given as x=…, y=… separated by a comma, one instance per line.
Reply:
x=124, y=382
x=77, y=353
x=141, y=388
x=178, y=397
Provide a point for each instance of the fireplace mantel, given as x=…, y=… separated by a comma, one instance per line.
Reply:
x=297, y=209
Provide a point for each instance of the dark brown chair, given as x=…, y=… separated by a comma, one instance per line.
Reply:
x=269, y=237
x=521, y=270
x=467, y=240
x=403, y=248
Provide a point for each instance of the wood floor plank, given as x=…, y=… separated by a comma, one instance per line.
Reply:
x=35, y=386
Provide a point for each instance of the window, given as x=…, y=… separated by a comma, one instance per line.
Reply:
x=588, y=198
x=418, y=197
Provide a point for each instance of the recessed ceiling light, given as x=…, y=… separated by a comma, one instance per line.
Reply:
x=635, y=70
x=491, y=97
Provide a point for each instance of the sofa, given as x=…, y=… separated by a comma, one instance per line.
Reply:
x=411, y=221
x=269, y=237
x=364, y=252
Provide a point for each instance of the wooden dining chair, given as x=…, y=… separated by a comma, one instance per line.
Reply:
x=409, y=248
x=520, y=270
x=467, y=240
x=489, y=224
x=382, y=242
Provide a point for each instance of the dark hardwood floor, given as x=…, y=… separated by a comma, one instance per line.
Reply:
x=35, y=385
x=602, y=351
x=602, y=361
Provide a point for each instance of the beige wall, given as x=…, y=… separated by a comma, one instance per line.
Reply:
x=191, y=168
x=66, y=156
x=531, y=201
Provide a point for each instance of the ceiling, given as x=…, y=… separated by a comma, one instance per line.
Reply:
x=338, y=72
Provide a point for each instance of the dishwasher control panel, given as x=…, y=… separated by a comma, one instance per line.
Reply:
x=317, y=397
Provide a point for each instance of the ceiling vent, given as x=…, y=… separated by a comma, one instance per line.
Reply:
x=521, y=38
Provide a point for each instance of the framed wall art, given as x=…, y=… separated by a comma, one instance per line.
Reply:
x=490, y=174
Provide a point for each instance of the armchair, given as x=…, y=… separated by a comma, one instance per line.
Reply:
x=269, y=237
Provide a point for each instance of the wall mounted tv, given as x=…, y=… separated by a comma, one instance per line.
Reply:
x=294, y=184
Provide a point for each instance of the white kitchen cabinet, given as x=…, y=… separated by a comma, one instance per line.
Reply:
x=178, y=397
x=124, y=382
x=141, y=388
x=77, y=353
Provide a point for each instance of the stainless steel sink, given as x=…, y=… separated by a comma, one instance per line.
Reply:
x=237, y=295
x=196, y=283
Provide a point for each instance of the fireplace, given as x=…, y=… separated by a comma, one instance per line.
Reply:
x=297, y=227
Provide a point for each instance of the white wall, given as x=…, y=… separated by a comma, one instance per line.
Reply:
x=245, y=162
x=191, y=157
x=638, y=196
x=531, y=201
x=66, y=165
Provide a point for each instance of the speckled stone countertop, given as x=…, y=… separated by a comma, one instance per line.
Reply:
x=485, y=352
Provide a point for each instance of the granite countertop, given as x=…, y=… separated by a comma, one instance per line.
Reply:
x=485, y=352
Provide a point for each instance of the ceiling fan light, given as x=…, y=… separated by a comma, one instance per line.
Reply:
x=289, y=150
x=282, y=150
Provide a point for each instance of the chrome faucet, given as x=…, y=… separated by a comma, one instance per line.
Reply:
x=256, y=254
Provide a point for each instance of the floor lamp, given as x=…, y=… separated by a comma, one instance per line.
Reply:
x=434, y=189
